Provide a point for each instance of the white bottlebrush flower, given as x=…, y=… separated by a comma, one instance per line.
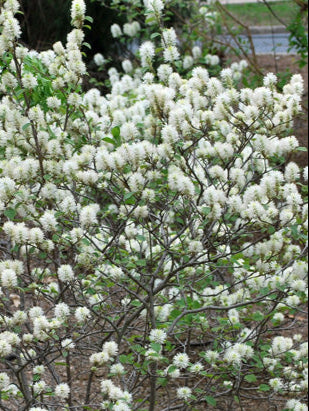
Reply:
x=68, y=344
x=195, y=247
x=78, y=10
x=11, y=5
x=281, y=344
x=188, y=62
x=278, y=317
x=292, y=172
x=11, y=28
x=171, y=54
x=9, y=278
x=233, y=316
x=106, y=386
x=48, y=221
x=74, y=99
x=131, y=29
x=276, y=384
x=158, y=336
x=99, y=59
x=62, y=310
x=36, y=236
x=82, y=314
x=121, y=406
x=65, y=273
x=5, y=348
x=35, y=312
x=184, y=393
x=117, y=369
x=196, y=52
x=99, y=359
x=111, y=348
x=232, y=357
x=38, y=369
x=116, y=30
x=115, y=393
x=181, y=360
x=169, y=37
x=196, y=368
x=53, y=102
x=127, y=66
x=295, y=405
x=88, y=215
x=29, y=81
x=62, y=391
x=18, y=232
x=164, y=71
x=4, y=381
x=270, y=80
x=39, y=387
x=173, y=373
x=147, y=53
x=155, y=6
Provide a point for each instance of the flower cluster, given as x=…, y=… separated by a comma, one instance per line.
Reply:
x=140, y=226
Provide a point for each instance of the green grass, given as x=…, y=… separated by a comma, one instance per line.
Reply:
x=257, y=14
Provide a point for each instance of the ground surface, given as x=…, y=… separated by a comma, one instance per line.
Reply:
x=255, y=13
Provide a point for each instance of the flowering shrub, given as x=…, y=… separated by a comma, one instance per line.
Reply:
x=198, y=24
x=153, y=241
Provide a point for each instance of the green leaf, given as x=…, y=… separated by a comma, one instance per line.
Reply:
x=258, y=316
x=171, y=369
x=302, y=149
x=150, y=19
x=55, y=238
x=10, y=213
x=36, y=377
x=162, y=381
x=174, y=314
x=156, y=347
x=25, y=126
x=264, y=387
x=127, y=196
x=211, y=401
x=206, y=210
x=250, y=378
x=110, y=140
x=89, y=18
x=87, y=45
x=141, y=263
x=138, y=348
x=116, y=132
x=154, y=35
